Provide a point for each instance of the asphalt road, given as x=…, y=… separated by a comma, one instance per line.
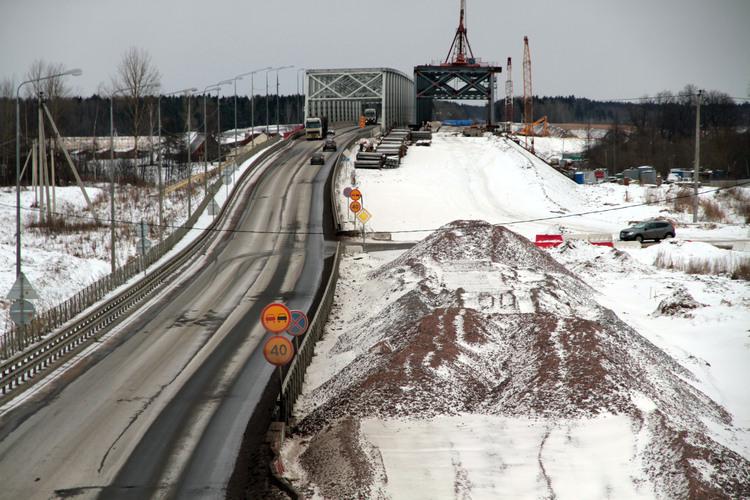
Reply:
x=160, y=409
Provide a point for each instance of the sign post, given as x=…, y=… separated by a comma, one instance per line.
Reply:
x=278, y=350
x=298, y=326
x=21, y=310
x=364, y=215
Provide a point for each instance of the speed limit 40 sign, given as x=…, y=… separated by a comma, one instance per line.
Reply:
x=278, y=350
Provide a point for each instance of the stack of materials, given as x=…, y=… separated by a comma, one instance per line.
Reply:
x=388, y=152
x=369, y=159
x=421, y=137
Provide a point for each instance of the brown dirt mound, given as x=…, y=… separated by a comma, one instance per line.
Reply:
x=527, y=339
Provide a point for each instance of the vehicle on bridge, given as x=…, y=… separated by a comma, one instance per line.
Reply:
x=371, y=116
x=317, y=158
x=330, y=145
x=316, y=127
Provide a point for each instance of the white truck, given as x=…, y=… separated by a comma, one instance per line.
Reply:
x=316, y=128
x=371, y=116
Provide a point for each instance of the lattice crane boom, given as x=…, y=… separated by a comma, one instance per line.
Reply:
x=509, y=94
x=460, y=52
x=528, y=108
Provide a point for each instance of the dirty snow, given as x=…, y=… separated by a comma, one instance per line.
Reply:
x=425, y=439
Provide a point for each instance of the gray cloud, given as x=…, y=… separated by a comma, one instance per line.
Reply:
x=593, y=48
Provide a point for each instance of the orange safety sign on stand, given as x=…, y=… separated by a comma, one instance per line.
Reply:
x=355, y=194
x=275, y=317
x=355, y=206
x=278, y=350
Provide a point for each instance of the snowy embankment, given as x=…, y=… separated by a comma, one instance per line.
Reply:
x=477, y=366
x=58, y=264
x=490, y=178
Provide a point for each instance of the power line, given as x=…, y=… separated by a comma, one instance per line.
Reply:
x=420, y=230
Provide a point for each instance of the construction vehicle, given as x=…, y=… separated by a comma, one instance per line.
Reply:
x=529, y=129
x=371, y=116
x=316, y=127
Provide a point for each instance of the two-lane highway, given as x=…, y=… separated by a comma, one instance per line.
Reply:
x=162, y=410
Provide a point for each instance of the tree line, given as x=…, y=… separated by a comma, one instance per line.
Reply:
x=133, y=89
x=657, y=131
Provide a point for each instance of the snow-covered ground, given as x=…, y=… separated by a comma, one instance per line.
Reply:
x=490, y=178
x=58, y=265
x=699, y=320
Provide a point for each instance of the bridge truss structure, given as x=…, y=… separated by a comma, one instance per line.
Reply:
x=450, y=82
x=343, y=94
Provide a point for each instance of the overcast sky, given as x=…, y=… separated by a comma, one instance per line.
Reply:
x=591, y=48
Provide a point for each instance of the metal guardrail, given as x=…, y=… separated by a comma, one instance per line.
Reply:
x=42, y=354
x=291, y=387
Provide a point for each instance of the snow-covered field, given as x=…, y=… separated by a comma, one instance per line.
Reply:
x=422, y=423
x=59, y=264
x=490, y=178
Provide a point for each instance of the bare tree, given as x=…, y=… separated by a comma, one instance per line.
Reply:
x=54, y=90
x=140, y=78
x=7, y=126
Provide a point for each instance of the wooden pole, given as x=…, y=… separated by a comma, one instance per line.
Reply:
x=70, y=163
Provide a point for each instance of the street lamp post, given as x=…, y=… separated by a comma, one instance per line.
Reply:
x=267, y=99
x=277, y=95
x=161, y=156
x=218, y=121
x=234, y=156
x=252, y=118
x=299, y=97
x=72, y=72
x=189, y=162
x=112, y=255
x=208, y=89
x=252, y=102
x=19, y=274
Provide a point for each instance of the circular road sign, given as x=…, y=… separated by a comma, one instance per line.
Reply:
x=347, y=191
x=355, y=194
x=275, y=317
x=299, y=324
x=355, y=206
x=278, y=350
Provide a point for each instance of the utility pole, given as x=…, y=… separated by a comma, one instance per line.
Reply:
x=189, y=165
x=696, y=164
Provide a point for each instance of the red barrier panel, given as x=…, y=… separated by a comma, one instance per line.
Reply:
x=603, y=243
x=548, y=240
x=293, y=131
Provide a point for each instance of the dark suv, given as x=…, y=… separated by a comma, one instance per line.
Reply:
x=650, y=230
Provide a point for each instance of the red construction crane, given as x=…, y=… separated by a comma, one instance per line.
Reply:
x=460, y=48
x=509, y=96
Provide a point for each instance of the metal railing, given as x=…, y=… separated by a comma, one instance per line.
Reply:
x=291, y=387
x=26, y=350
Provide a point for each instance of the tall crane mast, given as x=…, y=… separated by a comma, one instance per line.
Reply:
x=509, y=96
x=528, y=111
x=460, y=48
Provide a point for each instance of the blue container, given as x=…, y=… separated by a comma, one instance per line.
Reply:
x=580, y=178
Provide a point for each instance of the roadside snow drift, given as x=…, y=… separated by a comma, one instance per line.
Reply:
x=476, y=335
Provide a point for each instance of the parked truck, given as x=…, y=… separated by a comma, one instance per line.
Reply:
x=316, y=127
x=371, y=116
